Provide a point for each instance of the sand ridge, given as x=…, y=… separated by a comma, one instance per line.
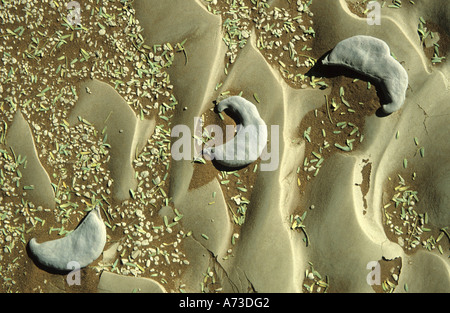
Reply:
x=245, y=254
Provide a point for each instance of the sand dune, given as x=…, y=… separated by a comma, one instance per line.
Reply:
x=20, y=139
x=106, y=109
x=268, y=256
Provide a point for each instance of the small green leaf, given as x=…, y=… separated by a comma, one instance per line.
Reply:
x=422, y=152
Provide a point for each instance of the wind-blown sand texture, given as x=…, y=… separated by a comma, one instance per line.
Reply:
x=90, y=125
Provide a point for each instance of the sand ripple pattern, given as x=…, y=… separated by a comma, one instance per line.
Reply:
x=269, y=257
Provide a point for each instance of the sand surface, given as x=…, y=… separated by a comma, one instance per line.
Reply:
x=184, y=226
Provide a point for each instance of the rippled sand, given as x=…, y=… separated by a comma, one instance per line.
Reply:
x=269, y=256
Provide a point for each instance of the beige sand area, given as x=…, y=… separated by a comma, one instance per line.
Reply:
x=269, y=256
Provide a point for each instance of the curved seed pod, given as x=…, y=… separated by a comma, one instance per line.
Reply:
x=83, y=245
x=371, y=57
x=250, y=139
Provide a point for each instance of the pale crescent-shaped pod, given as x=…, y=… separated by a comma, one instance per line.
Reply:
x=371, y=56
x=83, y=245
x=250, y=139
